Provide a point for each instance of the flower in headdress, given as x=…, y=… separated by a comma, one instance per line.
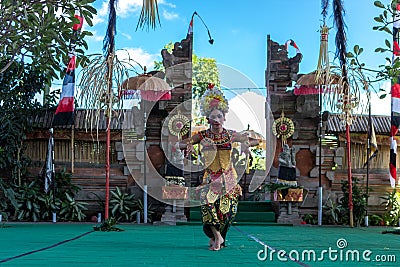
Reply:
x=212, y=99
x=214, y=103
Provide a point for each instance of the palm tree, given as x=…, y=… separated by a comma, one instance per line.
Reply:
x=103, y=70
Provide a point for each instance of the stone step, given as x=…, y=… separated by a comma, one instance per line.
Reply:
x=269, y=216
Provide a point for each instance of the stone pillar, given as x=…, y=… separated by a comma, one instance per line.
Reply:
x=174, y=213
x=289, y=213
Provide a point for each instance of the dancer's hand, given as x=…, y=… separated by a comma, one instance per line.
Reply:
x=244, y=147
x=189, y=149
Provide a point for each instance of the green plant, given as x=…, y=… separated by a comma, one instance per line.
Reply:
x=392, y=208
x=64, y=184
x=27, y=197
x=150, y=211
x=72, y=210
x=258, y=194
x=258, y=162
x=4, y=216
x=310, y=219
x=108, y=225
x=52, y=201
x=359, y=201
x=375, y=220
x=7, y=200
x=123, y=205
x=29, y=202
x=48, y=204
x=333, y=212
x=52, y=32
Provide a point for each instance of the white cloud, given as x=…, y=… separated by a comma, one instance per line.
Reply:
x=101, y=14
x=126, y=7
x=162, y=2
x=169, y=15
x=103, y=10
x=96, y=37
x=138, y=54
x=129, y=37
x=381, y=106
x=97, y=20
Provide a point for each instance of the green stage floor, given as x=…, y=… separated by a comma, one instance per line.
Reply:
x=60, y=244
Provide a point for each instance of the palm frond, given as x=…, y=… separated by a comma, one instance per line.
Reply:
x=340, y=40
x=149, y=15
x=94, y=95
x=109, y=39
x=324, y=6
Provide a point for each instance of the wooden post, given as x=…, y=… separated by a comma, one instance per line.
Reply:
x=72, y=148
x=350, y=182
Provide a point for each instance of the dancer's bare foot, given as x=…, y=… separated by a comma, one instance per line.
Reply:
x=218, y=239
x=211, y=242
x=217, y=244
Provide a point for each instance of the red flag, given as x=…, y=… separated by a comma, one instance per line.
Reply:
x=292, y=43
x=395, y=103
x=190, y=29
x=64, y=114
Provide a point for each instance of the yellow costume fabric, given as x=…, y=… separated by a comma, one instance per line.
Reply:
x=219, y=196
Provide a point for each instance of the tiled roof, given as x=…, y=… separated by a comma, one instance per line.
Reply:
x=82, y=116
x=44, y=119
x=360, y=124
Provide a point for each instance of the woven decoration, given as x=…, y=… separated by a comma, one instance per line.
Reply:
x=178, y=125
x=283, y=128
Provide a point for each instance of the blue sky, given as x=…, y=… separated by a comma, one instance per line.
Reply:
x=240, y=30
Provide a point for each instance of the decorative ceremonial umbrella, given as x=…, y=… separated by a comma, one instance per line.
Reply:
x=151, y=89
x=310, y=84
x=257, y=136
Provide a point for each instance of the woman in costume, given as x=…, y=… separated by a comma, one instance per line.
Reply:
x=219, y=191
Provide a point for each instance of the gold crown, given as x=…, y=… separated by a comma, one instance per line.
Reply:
x=212, y=99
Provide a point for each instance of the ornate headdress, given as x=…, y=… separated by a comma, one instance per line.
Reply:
x=213, y=98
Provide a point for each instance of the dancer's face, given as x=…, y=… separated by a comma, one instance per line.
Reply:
x=216, y=119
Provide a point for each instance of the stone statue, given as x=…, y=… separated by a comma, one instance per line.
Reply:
x=175, y=164
x=287, y=166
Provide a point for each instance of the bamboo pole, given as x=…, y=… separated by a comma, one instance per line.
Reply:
x=108, y=138
x=368, y=153
x=110, y=65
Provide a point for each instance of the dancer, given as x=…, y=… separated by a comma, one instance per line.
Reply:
x=219, y=191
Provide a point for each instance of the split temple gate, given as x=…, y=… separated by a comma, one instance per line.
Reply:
x=303, y=110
